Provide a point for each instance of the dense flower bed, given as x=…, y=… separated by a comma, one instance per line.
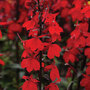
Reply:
x=56, y=30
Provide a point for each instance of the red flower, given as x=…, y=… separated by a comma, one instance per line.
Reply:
x=69, y=57
x=76, y=14
x=69, y=74
x=22, y=17
x=52, y=86
x=2, y=62
x=87, y=52
x=54, y=73
x=78, y=3
x=88, y=70
x=30, y=3
x=75, y=34
x=64, y=3
x=29, y=24
x=64, y=12
x=11, y=35
x=6, y=23
x=86, y=11
x=81, y=42
x=50, y=17
x=88, y=40
x=70, y=42
x=56, y=5
x=33, y=33
x=83, y=27
x=25, y=54
x=30, y=84
x=54, y=28
x=55, y=37
x=30, y=64
x=85, y=82
x=22, y=2
x=54, y=50
x=0, y=34
x=34, y=44
x=14, y=27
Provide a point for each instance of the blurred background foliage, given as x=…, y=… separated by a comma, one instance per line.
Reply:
x=8, y=73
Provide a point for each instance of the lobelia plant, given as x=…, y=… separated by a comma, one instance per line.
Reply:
x=43, y=32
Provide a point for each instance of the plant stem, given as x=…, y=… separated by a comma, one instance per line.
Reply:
x=17, y=10
x=40, y=72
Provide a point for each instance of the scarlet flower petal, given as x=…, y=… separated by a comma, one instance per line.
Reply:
x=52, y=86
x=2, y=62
x=85, y=82
x=54, y=74
x=30, y=64
x=54, y=50
x=28, y=85
x=0, y=34
x=29, y=24
x=55, y=29
x=34, y=44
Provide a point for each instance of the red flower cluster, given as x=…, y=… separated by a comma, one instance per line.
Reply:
x=30, y=83
x=78, y=42
x=44, y=33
